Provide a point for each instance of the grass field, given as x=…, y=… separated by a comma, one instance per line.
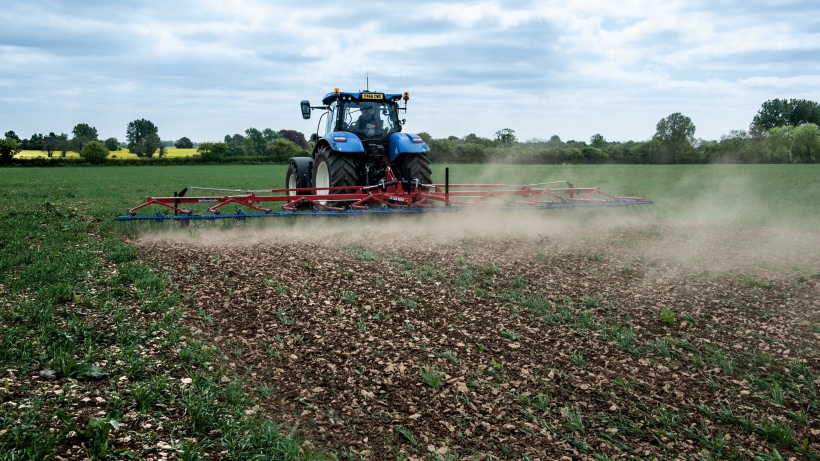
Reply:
x=778, y=195
x=95, y=360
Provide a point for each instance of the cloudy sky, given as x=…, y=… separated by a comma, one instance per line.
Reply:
x=206, y=68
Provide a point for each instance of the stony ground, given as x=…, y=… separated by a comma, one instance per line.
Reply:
x=465, y=338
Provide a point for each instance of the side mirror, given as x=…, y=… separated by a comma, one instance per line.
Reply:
x=305, y=110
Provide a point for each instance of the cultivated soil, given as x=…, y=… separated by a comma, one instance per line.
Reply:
x=556, y=337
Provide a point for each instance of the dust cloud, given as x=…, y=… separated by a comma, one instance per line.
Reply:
x=702, y=224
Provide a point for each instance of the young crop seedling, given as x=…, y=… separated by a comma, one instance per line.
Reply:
x=574, y=421
x=751, y=281
x=489, y=269
x=407, y=434
x=274, y=354
x=431, y=376
x=405, y=264
x=518, y=281
x=541, y=401
x=667, y=315
x=360, y=252
x=98, y=431
x=450, y=356
x=349, y=297
x=578, y=358
x=495, y=370
x=661, y=346
x=409, y=302
x=625, y=339
x=592, y=300
x=281, y=315
x=509, y=335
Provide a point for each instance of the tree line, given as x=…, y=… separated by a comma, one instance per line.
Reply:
x=143, y=139
x=783, y=131
x=280, y=145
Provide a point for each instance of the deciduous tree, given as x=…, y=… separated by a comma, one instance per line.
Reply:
x=506, y=136
x=34, y=143
x=807, y=143
x=112, y=144
x=255, y=142
x=282, y=150
x=94, y=152
x=9, y=146
x=236, y=145
x=675, y=134
x=779, y=144
x=295, y=137
x=786, y=112
x=50, y=143
x=63, y=144
x=211, y=151
x=142, y=137
x=184, y=143
x=83, y=133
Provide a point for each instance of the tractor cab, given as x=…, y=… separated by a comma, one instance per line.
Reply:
x=366, y=119
x=368, y=115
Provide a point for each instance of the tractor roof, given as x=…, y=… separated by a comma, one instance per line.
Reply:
x=360, y=96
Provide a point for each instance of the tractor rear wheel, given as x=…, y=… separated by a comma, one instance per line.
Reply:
x=332, y=169
x=410, y=166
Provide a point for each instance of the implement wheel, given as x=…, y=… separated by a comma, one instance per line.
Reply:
x=414, y=166
x=332, y=169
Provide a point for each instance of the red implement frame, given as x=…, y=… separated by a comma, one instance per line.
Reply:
x=397, y=195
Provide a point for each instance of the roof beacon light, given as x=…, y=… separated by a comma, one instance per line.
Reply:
x=335, y=91
x=406, y=95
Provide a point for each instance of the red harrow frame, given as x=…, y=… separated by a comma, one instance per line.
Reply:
x=389, y=196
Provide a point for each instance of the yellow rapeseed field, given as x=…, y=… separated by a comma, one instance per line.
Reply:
x=124, y=153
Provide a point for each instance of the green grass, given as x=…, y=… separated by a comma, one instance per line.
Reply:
x=752, y=194
x=73, y=296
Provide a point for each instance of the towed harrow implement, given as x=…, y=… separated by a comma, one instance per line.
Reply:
x=391, y=196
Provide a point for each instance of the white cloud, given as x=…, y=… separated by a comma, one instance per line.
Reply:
x=571, y=68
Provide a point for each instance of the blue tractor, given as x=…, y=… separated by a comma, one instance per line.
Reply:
x=359, y=136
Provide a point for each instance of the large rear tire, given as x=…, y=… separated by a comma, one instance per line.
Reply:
x=332, y=169
x=414, y=166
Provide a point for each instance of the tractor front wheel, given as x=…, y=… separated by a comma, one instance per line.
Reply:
x=292, y=180
x=332, y=169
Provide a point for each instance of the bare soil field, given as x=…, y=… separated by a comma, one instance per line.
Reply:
x=515, y=337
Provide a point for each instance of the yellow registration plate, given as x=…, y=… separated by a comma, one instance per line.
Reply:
x=372, y=96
